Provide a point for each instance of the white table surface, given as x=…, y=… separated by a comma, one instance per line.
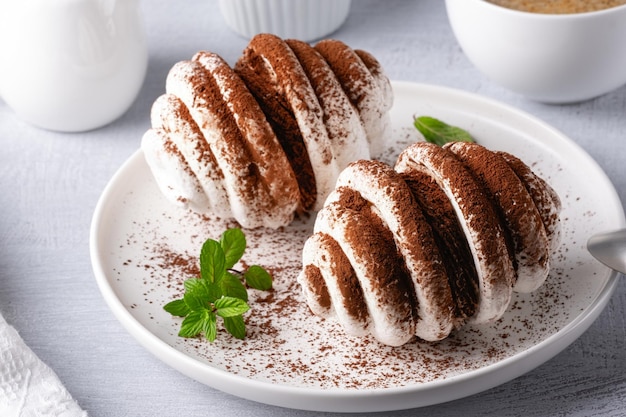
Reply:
x=50, y=183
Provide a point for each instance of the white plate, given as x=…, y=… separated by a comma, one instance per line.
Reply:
x=142, y=248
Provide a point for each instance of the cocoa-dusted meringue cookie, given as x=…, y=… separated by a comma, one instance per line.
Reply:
x=373, y=189
x=441, y=240
x=264, y=140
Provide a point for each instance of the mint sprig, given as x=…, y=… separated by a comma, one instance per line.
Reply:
x=437, y=132
x=219, y=290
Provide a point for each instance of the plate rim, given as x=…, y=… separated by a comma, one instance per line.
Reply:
x=371, y=399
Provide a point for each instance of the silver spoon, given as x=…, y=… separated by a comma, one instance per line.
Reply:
x=610, y=249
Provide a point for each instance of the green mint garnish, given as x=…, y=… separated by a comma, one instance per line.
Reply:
x=219, y=291
x=440, y=133
x=257, y=277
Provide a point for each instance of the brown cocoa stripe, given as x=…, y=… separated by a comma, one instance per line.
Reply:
x=370, y=62
x=266, y=154
x=545, y=198
x=317, y=286
x=450, y=241
x=180, y=120
x=322, y=79
x=263, y=83
x=524, y=230
x=352, y=73
x=347, y=281
x=377, y=71
x=372, y=242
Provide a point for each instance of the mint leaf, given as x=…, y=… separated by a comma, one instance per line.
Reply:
x=437, y=132
x=231, y=306
x=219, y=290
x=212, y=261
x=193, y=324
x=258, y=278
x=235, y=326
x=214, y=291
x=233, y=242
x=192, y=284
x=177, y=308
x=231, y=286
x=209, y=326
x=196, y=294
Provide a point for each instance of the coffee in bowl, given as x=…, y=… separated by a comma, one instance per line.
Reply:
x=558, y=6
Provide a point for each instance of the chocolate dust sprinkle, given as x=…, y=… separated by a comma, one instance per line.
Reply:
x=286, y=344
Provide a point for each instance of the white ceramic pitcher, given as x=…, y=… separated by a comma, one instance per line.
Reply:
x=71, y=65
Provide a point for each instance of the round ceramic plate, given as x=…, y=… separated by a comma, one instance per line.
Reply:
x=143, y=248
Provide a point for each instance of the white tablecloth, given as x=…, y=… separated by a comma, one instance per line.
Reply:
x=50, y=183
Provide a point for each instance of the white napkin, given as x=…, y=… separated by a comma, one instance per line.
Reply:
x=28, y=387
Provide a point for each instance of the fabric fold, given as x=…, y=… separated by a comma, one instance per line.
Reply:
x=28, y=387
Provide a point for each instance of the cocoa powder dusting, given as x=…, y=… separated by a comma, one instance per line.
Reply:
x=347, y=281
x=480, y=215
x=373, y=243
x=544, y=197
x=264, y=84
x=157, y=250
x=266, y=160
x=286, y=344
x=451, y=243
x=487, y=168
x=324, y=83
x=314, y=276
x=348, y=68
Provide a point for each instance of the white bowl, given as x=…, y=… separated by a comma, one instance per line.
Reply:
x=552, y=58
x=306, y=20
